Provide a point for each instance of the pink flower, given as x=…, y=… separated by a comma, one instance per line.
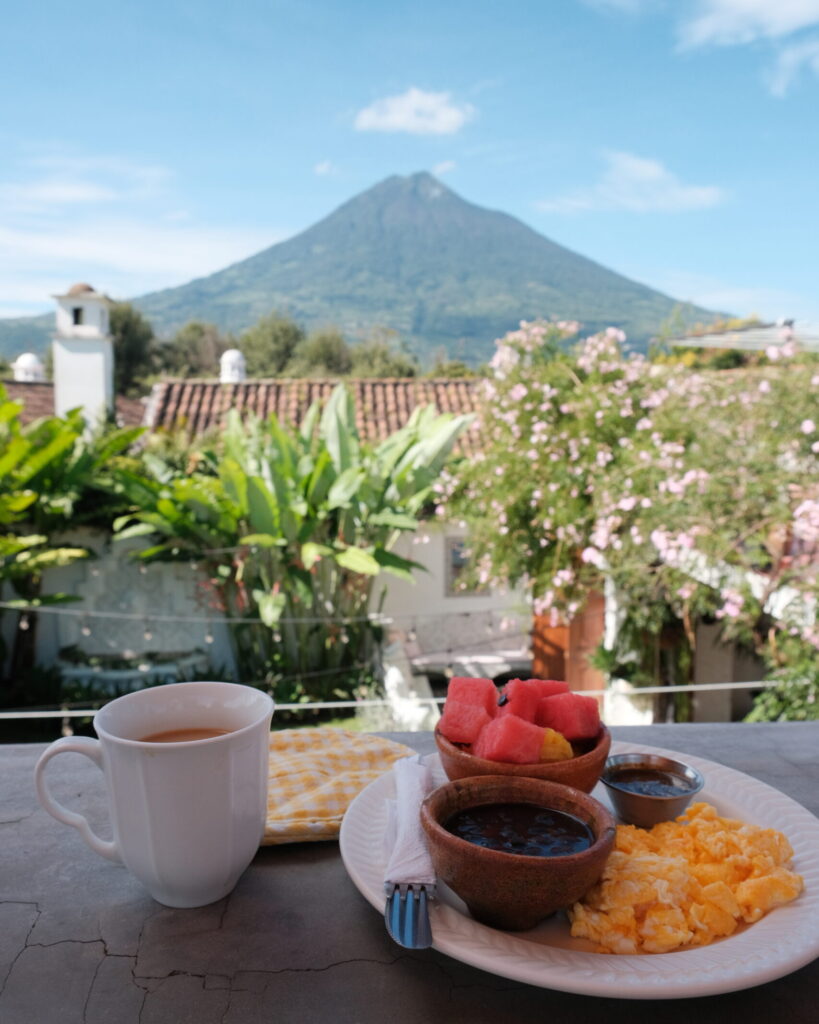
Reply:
x=808, y=426
x=592, y=556
x=732, y=606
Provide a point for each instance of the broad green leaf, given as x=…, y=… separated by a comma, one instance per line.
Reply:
x=262, y=540
x=137, y=530
x=263, y=509
x=16, y=451
x=338, y=429
x=398, y=566
x=394, y=520
x=311, y=553
x=38, y=460
x=357, y=560
x=270, y=606
x=344, y=488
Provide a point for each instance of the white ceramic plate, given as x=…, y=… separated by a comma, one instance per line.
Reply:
x=783, y=941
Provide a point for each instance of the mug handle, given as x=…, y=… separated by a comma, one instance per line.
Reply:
x=92, y=749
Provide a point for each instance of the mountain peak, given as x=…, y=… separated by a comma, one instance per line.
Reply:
x=412, y=255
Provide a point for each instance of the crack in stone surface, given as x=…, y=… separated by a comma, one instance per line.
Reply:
x=24, y=947
x=16, y=821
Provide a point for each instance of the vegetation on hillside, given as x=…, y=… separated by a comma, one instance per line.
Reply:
x=410, y=255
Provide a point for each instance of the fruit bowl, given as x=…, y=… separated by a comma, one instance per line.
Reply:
x=581, y=772
x=509, y=890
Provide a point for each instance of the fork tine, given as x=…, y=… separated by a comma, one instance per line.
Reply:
x=406, y=916
x=423, y=932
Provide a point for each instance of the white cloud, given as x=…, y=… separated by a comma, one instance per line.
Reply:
x=789, y=62
x=444, y=167
x=132, y=237
x=54, y=192
x=783, y=24
x=733, y=22
x=416, y=112
x=638, y=184
x=324, y=167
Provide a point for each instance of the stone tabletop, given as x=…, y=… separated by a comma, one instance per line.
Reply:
x=82, y=943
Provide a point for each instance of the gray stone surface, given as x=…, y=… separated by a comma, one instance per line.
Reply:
x=81, y=941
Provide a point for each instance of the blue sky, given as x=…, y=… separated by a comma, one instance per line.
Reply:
x=143, y=144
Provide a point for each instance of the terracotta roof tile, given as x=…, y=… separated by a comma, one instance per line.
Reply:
x=382, y=405
x=38, y=401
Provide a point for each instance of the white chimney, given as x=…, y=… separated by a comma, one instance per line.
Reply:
x=28, y=368
x=232, y=367
x=83, y=355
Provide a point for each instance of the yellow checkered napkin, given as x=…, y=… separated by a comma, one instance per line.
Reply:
x=314, y=774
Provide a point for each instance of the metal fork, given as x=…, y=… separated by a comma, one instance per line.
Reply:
x=407, y=914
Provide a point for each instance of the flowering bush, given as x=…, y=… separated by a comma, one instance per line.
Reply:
x=693, y=493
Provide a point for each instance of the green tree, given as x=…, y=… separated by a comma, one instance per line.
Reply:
x=293, y=527
x=270, y=344
x=381, y=355
x=194, y=350
x=134, y=354
x=323, y=353
x=451, y=368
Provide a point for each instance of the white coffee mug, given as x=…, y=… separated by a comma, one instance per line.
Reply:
x=188, y=815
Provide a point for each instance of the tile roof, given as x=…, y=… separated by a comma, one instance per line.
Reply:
x=382, y=405
x=38, y=401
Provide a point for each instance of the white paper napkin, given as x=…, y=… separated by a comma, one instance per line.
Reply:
x=408, y=857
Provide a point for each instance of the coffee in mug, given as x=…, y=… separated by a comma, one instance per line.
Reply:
x=183, y=735
x=186, y=767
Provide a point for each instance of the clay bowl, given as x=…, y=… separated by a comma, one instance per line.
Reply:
x=508, y=890
x=581, y=772
x=679, y=783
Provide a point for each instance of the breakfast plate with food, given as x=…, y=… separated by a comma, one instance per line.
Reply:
x=725, y=897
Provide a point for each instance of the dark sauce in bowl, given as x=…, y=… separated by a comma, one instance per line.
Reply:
x=648, y=781
x=523, y=829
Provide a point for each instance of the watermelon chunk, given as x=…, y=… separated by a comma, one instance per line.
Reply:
x=509, y=738
x=548, y=687
x=521, y=699
x=576, y=716
x=480, y=692
x=461, y=723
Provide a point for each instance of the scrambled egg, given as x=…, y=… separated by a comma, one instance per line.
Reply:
x=685, y=883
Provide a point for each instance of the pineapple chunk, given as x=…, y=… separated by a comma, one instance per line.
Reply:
x=555, y=746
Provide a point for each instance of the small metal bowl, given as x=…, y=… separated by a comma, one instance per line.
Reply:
x=673, y=782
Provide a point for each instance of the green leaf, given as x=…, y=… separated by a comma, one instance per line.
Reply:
x=357, y=560
x=137, y=530
x=263, y=509
x=396, y=565
x=394, y=520
x=311, y=553
x=344, y=488
x=270, y=606
x=338, y=429
x=262, y=540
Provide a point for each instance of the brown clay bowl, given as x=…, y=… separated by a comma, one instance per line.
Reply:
x=581, y=772
x=508, y=890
